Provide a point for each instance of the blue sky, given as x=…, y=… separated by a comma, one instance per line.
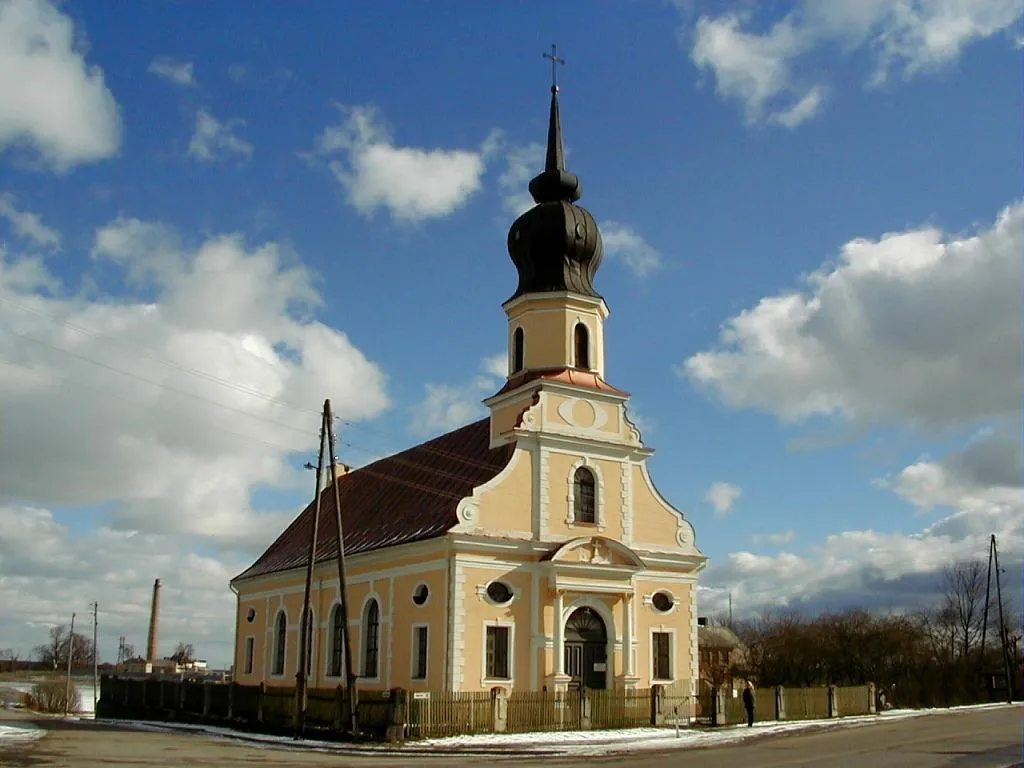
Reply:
x=210, y=220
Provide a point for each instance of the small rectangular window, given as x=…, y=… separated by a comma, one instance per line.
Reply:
x=661, y=653
x=249, y=649
x=497, y=653
x=419, y=668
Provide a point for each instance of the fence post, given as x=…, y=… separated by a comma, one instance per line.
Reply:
x=657, y=704
x=872, y=701
x=833, y=701
x=584, y=709
x=780, y=703
x=339, y=709
x=398, y=708
x=179, y=686
x=260, y=694
x=499, y=709
x=231, y=701
x=207, y=698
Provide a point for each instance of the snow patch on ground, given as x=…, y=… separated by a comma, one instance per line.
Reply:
x=16, y=734
x=574, y=743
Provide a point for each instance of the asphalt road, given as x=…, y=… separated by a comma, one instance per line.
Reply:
x=989, y=738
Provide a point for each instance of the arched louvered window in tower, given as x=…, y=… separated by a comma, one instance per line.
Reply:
x=518, y=342
x=581, y=340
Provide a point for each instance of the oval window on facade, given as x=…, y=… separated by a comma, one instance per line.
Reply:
x=499, y=592
x=662, y=601
x=251, y=616
x=420, y=595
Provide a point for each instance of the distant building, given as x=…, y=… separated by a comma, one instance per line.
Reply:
x=722, y=657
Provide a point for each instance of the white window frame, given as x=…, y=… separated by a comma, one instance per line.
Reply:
x=672, y=646
x=491, y=681
x=413, y=652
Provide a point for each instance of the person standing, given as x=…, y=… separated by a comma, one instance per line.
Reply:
x=748, y=703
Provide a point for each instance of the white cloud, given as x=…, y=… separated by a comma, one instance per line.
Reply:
x=173, y=409
x=622, y=242
x=49, y=571
x=166, y=409
x=982, y=489
x=445, y=407
x=27, y=225
x=413, y=184
x=177, y=72
x=783, y=537
x=496, y=365
x=757, y=69
x=916, y=328
x=722, y=496
x=51, y=100
x=521, y=165
x=214, y=140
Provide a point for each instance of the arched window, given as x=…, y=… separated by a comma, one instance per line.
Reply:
x=337, y=640
x=581, y=339
x=371, y=638
x=583, y=496
x=517, y=350
x=280, y=638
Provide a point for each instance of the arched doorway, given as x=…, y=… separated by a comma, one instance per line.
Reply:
x=586, y=648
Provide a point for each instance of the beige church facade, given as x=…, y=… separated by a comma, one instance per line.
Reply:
x=529, y=550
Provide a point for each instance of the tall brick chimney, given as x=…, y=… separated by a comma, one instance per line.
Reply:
x=154, y=623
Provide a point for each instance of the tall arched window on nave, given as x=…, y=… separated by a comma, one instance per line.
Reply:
x=371, y=639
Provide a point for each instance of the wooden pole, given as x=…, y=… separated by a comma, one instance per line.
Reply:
x=350, y=673
x=95, y=657
x=299, y=719
x=71, y=652
x=1002, y=624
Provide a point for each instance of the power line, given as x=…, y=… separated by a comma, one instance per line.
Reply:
x=145, y=353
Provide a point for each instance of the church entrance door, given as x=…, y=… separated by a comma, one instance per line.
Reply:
x=586, y=649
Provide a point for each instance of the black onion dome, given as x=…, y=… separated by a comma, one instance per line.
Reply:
x=555, y=245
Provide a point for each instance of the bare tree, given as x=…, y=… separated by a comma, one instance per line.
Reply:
x=183, y=653
x=963, y=603
x=55, y=652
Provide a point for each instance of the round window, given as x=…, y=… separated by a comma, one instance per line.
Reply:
x=420, y=595
x=251, y=616
x=662, y=601
x=499, y=592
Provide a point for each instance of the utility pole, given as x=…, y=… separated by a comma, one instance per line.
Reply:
x=71, y=652
x=1002, y=625
x=353, y=696
x=730, y=610
x=95, y=657
x=305, y=636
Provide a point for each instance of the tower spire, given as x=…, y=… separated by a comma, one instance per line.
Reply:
x=555, y=183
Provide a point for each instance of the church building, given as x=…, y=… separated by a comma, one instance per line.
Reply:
x=529, y=550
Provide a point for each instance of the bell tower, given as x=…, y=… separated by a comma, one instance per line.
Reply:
x=556, y=316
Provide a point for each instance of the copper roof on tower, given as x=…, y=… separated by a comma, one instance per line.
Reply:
x=407, y=497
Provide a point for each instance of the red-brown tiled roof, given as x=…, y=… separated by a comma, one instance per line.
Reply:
x=572, y=376
x=407, y=497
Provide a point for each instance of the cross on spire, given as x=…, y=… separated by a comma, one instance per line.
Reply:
x=555, y=60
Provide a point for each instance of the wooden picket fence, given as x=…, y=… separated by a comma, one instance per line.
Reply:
x=435, y=714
